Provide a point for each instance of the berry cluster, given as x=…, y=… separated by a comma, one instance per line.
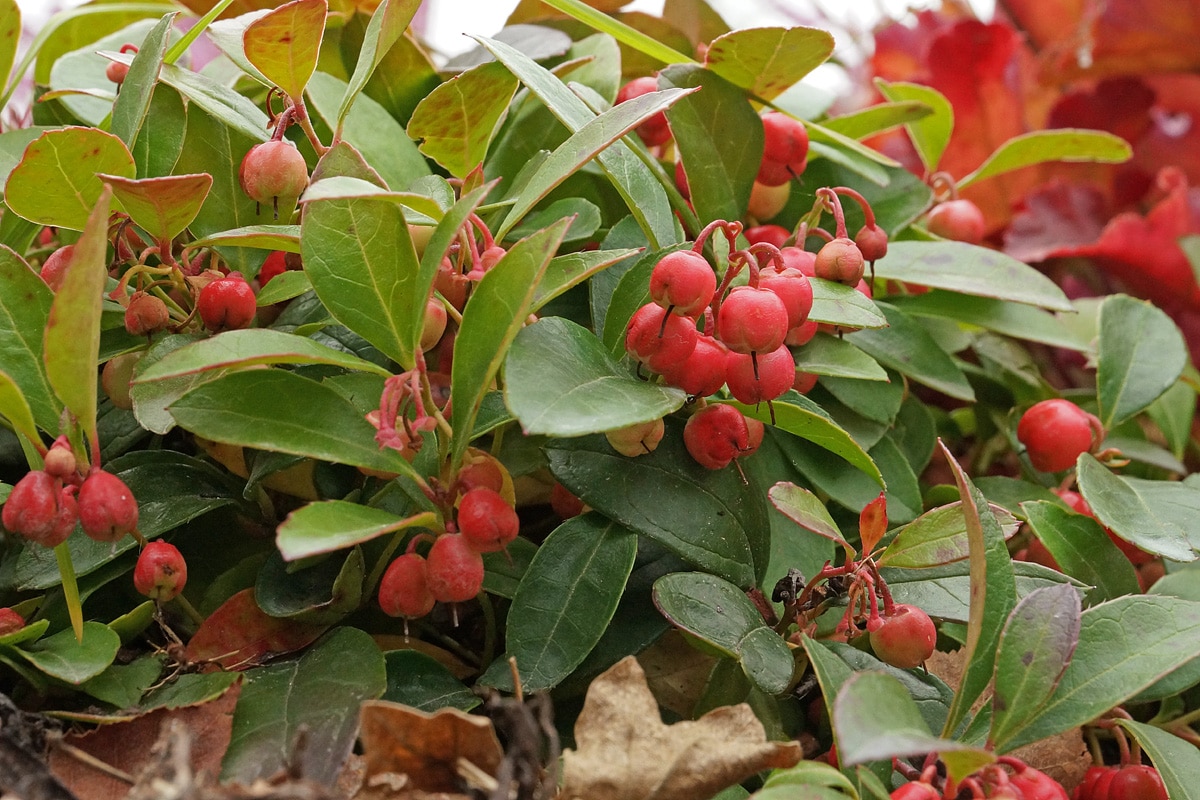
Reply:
x=993, y=781
x=1129, y=782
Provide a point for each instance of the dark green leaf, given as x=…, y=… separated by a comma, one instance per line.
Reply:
x=1141, y=353
x=1173, y=413
x=1131, y=515
x=158, y=146
x=572, y=269
x=909, y=349
x=24, y=308
x=1017, y=320
x=62, y=656
x=132, y=106
x=421, y=682
x=1082, y=549
x=829, y=355
x=322, y=593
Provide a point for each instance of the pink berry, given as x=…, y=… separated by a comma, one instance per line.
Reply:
x=771, y=234
x=959, y=220
x=793, y=288
x=227, y=303
x=805, y=381
x=1033, y=784
x=116, y=72
x=60, y=460
x=1055, y=432
x=107, y=509
x=701, y=373
x=481, y=471
x=752, y=319
x=802, y=334
x=683, y=282
x=41, y=509
x=404, y=588
x=872, y=242
x=785, y=149
x=146, y=314
x=659, y=339
x=564, y=503
x=161, y=572
x=274, y=172
x=840, y=260
x=1136, y=782
x=800, y=259
x=752, y=384
x=655, y=130
x=274, y=265
x=434, y=325
x=716, y=435
x=486, y=522
x=10, y=621
x=454, y=569
x=916, y=791
x=905, y=638
x=55, y=266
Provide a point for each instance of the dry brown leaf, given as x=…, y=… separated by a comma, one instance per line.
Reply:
x=425, y=747
x=676, y=672
x=625, y=752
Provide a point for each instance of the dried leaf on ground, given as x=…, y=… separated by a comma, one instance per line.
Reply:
x=625, y=752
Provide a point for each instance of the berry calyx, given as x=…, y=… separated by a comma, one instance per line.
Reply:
x=10, y=621
x=454, y=569
x=41, y=509
x=959, y=220
x=785, y=149
x=404, y=588
x=683, y=282
x=637, y=439
x=1033, y=784
x=906, y=638
x=55, y=266
x=658, y=338
x=760, y=377
x=146, y=314
x=716, y=435
x=655, y=130
x=840, y=260
x=274, y=172
x=752, y=319
x=227, y=303
x=107, y=508
x=486, y=522
x=1055, y=432
x=161, y=572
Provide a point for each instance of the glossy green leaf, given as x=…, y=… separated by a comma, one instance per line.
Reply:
x=320, y=593
x=640, y=190
x=719, y=139
x=1060, y=144
x=836, y=304
x=56, y=181
x=265, y=237
x=1017, y=320
x=1173, y=413
x=625, y=34
x=875, y=719
x=150, y=400
x=571, y=269
x=72, y=342
x=1176, y=759
x=993, y=594
x=1140, y=355
x=931, y=134
x=807, y=773
x=877, y=118
x=829, y=355
x=766, y=62
x=285, y=286
x=245, y=408
x=560, y=381
x=158, y=146
x=132, y=106
x=456, y=122
x=972, y=270
x=24, y=308
x=806, y=510
x=422, y=682
x=565, y=601
x=1124, y=646
x=122, y=685
x=1035, y=648
x=1082, y=549
x=909, y=349
x=14, y=409
x=493, y=317
x=851, y=154
x=283, y=44
x=386, y=28
x=62, y=656
x=233, y=110
x=190, y=690
x=163, y=207
x=367, y=279
x=939, y=536
x=1132, y=516
x=719, y=614
x=336, y=524
x=653, y=492
x=945, y=592
x=320, y=693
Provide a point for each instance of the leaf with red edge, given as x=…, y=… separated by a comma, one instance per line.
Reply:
x=283, y=44
x=238, y=635
x=806, y=510
x=872, y=522
x=163, y=207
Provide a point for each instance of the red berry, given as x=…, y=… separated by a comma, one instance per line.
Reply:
x=10, y=621
x=565, y=504
x=452, y=284
x=916, y=791
x=771, y=234
x=1087, y=789
x=55, y=266
x=1137, y=782
x=146, y=314
x=802, y=334
x=404, y=588
x=655, y=130
x=486, y=522
x=960, y=220
x=805, y=381
x=800, y=259
x=107, y=509
x=1033, y=784
x=752, y=383
x=716, y=435
x=637, y=439
x=161, y=572
x=906, y=637
x=872, y=242
x=659, y=339
x=793, y=288
x=1055, y=432
x=752, y=319
x=434, y=325
x=683, y=282
x=840, y=260
x=681, y=181
x=755, y=431
x=227, y=303
x=41, y=509
x=481, y=471
x=274, y=172
x=785, y=149
x=701, y=373
x=274, y=265
x=454, y=569
x=116, y=72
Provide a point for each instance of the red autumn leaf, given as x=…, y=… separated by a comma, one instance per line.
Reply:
x=1055, y=217
x=901, y=51
x=872, y=522
x=238, y=635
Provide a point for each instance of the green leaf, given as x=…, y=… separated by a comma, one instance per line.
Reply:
x=728, y=535
x=972, y=270
x=250, y=347
x=1124, y=646
x=14, y=408
x=386, y=28
x=641, y=191
x=1016, y=320
x=1035, y=648
x=1082, y=549
x=908, y=348
x=939, y=536
x=993, y=594
x=560, y=381
x=122, y=685
x=336, y=524
x=56, y=181
x=829, y=355
x=72, y=343
x=1173, y=413
x=945, y=592
x=457, y=121
x=10, y=37
x=877, y=118
x=322, y=593
x=62, y=656
x=625, y=34
x=719, y=614
x=719, y=139
x=565, y=601
x=875, y=719
x=162, y=207
x=1140, y=355
x=768, y=61
x=806, y=510
x=232, y=110
x=571, y=269
x=1131, y=515
x=190, y=690
x=132, y=106
x=491, y=320
x=264, y=237
x=283, y=44
x=158, y=146
x=1176, y=759
x=366, y=279
x=24, y=308
x=931, y=134
x=836, y=304
x=285, y=286
x=319, y=693
x=1061, y=144
x=245, y=408
x=422, y=682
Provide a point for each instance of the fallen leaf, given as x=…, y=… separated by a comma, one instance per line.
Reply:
x=238, y=635
x=625, y=752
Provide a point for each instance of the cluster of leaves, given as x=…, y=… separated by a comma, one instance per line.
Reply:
x=251, y=450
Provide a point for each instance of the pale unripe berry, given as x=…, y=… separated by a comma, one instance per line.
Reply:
x=454, y=569
x=107, y=508
x=638, y=439
x=60, y=459
x=802, y=334
x=146, y=314
x=767, y=201
x=959, y=220
x=161, y=572
x=434, y=325
x=840, y=260
x=404, y=588
x=274, y=173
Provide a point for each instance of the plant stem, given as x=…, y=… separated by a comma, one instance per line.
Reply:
x=66, y=569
